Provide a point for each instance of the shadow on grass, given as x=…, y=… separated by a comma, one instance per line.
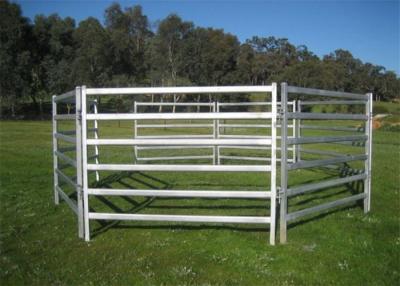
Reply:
x=131, y=180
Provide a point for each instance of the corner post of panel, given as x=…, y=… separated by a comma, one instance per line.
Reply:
x=84, y=164
x=298, y=132
x=135, y=150
x=79, y=173
x=215, y=135
x=218, y=127
x=55, y=147
x=274, y=112
x=284, y=171
x=294, y=122
x=368, y=152
x=96, y=136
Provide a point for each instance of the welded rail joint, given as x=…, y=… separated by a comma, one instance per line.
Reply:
x=291, y=138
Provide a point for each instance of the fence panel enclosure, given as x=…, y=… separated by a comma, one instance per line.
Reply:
x=130, y=154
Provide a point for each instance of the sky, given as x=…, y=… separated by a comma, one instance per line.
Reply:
x=369, y=29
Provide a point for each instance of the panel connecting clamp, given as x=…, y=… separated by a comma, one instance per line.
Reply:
x=279, y=194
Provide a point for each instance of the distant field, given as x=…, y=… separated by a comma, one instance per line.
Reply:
x=39, y=243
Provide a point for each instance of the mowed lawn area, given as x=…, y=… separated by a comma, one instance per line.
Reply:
x=40, y=246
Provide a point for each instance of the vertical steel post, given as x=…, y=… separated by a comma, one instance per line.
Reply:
x=96, y=136
x=284, y=171
x=79, y=172
x=55, y=147
x=84, y=164
x=135, y=151
x=273, y=165
x=298, y=133
x=368, y=152
x=217, y=130
x=215, y=135
x=294, y=133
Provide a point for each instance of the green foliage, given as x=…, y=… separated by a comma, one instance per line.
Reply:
x=52, y=55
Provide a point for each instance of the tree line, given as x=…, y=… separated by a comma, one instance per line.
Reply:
x=51, y=55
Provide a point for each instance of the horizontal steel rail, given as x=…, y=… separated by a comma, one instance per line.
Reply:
x=68, y=200
x=332, y=128
x=190, y=142
x=174, y=126
x=301, y=213
x=179, y=168
x=245, y=158
x=65, y=96
x=193, y=136
x=66, y=179
x=194, y=157
x=64, y=117
x=326, y=116
x=249, y=125
x=322, y=152
x=327, y=93
x=73, y=132
x=67, y=149
x=178, y=116
x=179, y=90
x=66, y=138
x=336, y=102
x=324, y=162
x=174, y=103
x=66, y=159
x=326, y=139
x=181, y=218
x=182, y=193
x=156, y=147
x=294, y=191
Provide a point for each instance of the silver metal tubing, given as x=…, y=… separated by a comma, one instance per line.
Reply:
x=297, y=214
x=344, y=102
x=66, y=138
x=326, y=139
x=245, y=158
x=323, y=185
x=67, y=149
x=327, y=93
x=254, y=103
x=68, y=96
x=191, y=142
x=182, y=193
x=322, y=152
x=324, y=162
x=73, y=132
x=245, y=125
x=284, y=164
x=193, y=136
x=176, y=116
x=331, y=116
x=174, y=103
x=180, y=218
x=68, y=200
x=175, y=126
x=64, y=117
x=65, y=158
x=175, y=158
x=332, y=128
x=66, y=179
x=180, y=168
x=180, y=90
x=172, y=147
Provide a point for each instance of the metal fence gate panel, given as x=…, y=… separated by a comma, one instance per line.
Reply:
x=290, y=115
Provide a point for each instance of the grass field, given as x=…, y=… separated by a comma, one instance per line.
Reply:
x=39, y=243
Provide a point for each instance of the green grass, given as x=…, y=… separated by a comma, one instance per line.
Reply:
x=39, y=243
